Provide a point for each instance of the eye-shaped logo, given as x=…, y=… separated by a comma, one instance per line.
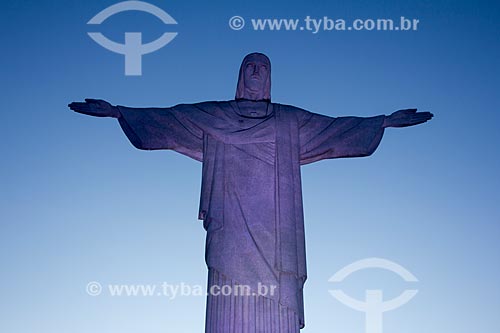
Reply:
x=373, y=306
x=133, y=49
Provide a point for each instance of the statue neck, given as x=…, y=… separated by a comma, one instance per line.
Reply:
x=254, y=95
x=250, y=108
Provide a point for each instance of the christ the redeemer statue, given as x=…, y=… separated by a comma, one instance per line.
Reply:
x=251, y=196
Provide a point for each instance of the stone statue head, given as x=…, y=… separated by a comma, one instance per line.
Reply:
x=254, y=81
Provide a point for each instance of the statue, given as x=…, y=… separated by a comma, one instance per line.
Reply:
x=251, y=197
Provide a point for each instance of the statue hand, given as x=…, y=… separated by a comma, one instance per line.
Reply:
x=408, y=117
x=96, y=108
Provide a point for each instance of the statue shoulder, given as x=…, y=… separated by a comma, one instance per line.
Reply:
x=293, y=111
x=211, y=104
x=210, y=107
x=290, y=108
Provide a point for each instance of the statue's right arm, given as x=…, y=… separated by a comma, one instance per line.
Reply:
x=96, y=108
x=174, y=128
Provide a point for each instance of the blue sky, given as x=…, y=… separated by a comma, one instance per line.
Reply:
x=79, y=203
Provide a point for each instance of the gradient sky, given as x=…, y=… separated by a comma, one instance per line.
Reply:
x=79, y=203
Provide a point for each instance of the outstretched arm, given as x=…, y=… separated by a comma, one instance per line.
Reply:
x=172, y=128
x=323, y=137
x=405, y=118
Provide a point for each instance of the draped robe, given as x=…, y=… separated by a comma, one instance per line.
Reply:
x=251, y=196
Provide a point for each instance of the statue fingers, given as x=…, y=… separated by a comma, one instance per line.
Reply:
x=423, y=116
x=419, y=120
x=78, y=106
x=427, y=114
x=408, y=110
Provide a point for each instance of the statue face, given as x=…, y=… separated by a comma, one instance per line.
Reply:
x=254, y=79
x=256, y=73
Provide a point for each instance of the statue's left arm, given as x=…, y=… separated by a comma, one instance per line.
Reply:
x=324, y=137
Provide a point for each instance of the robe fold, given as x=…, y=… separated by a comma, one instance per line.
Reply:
x=251, y=196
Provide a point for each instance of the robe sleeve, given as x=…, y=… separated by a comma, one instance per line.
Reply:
x=172, y=128
x=322, y=137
